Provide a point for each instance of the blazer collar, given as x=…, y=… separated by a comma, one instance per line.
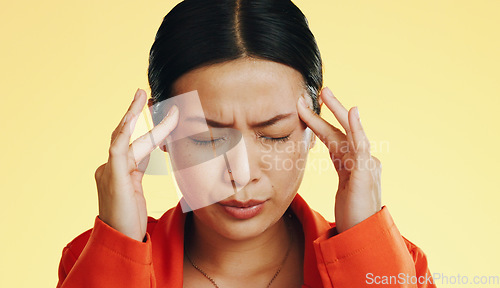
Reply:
x=168, y=244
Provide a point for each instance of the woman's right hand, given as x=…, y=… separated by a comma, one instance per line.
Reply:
x=119, y=181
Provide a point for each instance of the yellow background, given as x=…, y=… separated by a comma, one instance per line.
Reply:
x=425, y=75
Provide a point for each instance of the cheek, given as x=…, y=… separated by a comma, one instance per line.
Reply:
x=200, y=182
x=287, y=159
x=286, y=175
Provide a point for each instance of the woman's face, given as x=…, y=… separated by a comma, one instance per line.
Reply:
x=257, y=100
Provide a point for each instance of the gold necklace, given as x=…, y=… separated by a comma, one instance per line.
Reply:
x=275, y=274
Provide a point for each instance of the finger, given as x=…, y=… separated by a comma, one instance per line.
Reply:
x=120, y=144
x=115, y=132
x=331, y=136
x=360, y=141
x=98, y=172
x=336, y=107
x=343, y=171
x=118, y=150
x=144, y=145
x=143, y=165
x=135, y=107
x=339, y=111
x=118, y=128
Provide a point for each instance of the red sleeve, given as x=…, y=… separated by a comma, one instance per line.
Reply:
x=371, y=254
x=109, y=259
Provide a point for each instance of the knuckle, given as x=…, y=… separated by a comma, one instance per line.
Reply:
x=368, y=145
x=379, y=165
x=127, y=115
x=123, y=130
x=335, y=129
x=330, y=143
x=113, y=135
x=114, y=150
x=147, y=138
x=132, y=155
x=98, y=172
x=375, y=165
x=363, y=146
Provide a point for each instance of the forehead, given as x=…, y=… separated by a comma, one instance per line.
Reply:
x=249, y=82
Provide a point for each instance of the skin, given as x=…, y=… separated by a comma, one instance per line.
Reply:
x=220, y=242
x=239, y=93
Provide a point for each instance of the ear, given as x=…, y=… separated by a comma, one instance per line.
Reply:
x=312, y=141
x=162, y=145
x=320, y=99
x=150, y=106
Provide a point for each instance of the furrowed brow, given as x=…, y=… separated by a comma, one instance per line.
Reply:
x=266, y=123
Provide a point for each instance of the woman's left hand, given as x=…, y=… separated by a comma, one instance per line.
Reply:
x=359, y=192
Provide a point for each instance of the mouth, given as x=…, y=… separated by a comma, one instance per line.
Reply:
x=242, y=210
x=239, y=204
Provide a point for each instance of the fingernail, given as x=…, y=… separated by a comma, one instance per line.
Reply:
x=137, y=93
x=172, y=110
x=302, y=102
x=328, y=92
x=357, y=113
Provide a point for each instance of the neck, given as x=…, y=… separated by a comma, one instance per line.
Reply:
x=251, y=257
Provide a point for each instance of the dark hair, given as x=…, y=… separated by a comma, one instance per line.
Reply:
x=198, y=33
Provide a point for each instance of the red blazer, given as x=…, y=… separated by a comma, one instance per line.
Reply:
x=370, y=254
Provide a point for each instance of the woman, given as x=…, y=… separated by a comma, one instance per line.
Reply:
x=256, y=69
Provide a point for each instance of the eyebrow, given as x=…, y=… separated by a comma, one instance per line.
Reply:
x=262, y=124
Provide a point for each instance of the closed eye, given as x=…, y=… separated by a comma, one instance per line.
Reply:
x=217, y=141
x=278, y=139
x=212, y=142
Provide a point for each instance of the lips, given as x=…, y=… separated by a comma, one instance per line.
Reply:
x=242, y=210
x=239, y=204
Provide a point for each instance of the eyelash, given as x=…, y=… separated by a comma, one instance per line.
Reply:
x=278, y=140
x=269, y=139
x=207, y=143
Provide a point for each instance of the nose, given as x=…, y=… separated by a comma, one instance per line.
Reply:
x=242, y=164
